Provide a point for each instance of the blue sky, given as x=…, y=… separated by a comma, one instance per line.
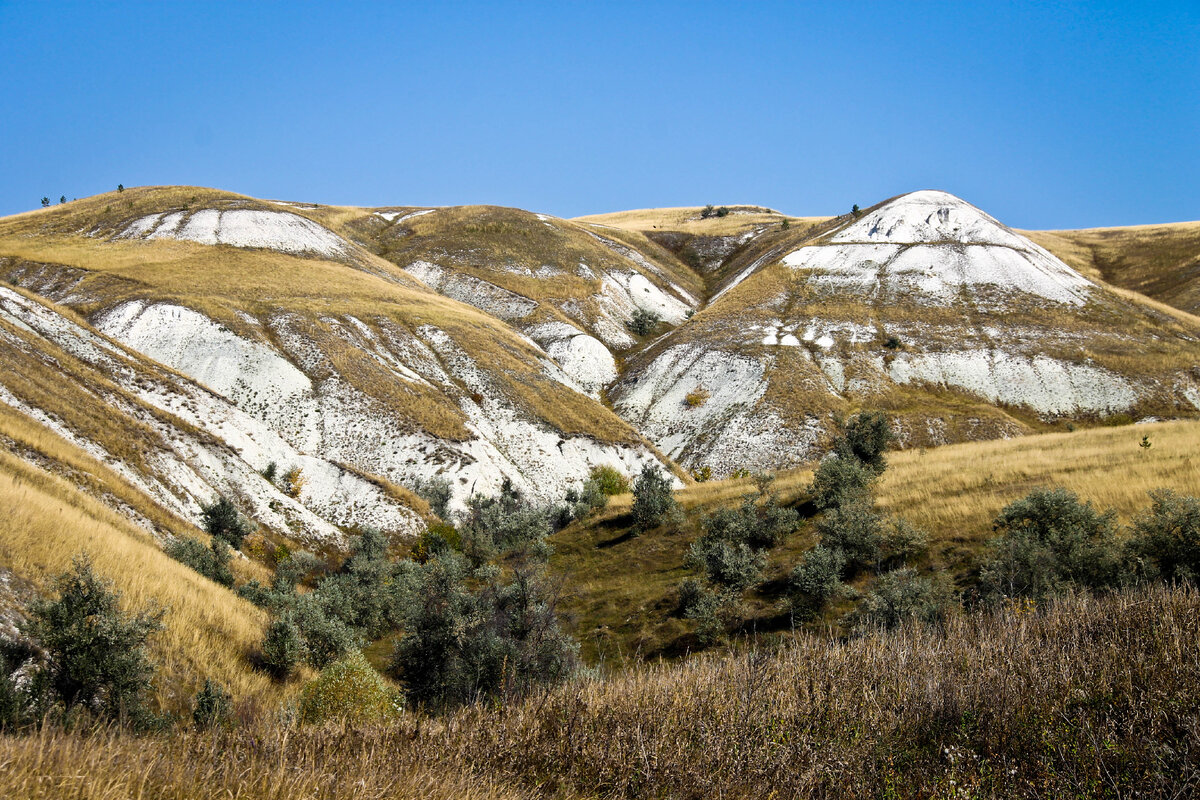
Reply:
x=1044, y=114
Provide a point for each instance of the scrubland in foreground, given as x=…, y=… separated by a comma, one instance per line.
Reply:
x=1083, y=697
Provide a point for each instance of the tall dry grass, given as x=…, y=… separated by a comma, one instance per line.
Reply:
x=210, y=631
x=1086, y=697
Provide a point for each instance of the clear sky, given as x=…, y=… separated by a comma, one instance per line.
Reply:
x=1045, y=114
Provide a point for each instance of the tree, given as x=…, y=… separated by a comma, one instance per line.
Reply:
x=62, y=199
x=652, y=498
x=45, y=202
x=854, y=210
x=221, y=519
x=95, y=653
x=815, y=580
x=437, y=492
x=120, y=187
x=856, y=531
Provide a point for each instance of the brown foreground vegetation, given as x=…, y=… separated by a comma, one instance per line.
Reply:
x=1085, y=697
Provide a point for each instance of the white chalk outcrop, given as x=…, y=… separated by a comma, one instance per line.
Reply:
x=241, y=227
x=929, y=246
x=330, y=418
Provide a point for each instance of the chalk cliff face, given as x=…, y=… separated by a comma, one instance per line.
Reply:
x=378, y=348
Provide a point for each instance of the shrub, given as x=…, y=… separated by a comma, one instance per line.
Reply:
x=856, y=530
x=815, y=580
x=270, y=471
x=95, y=654
x=213, y=707
x=211, y=561
x=349, y=690
x=707, y=608
x=466, y=636
x=609, y=479
x=221, y=519
x=643, y=321
x=45, y=202
x=291, y=571
x=120, y=187
x=702, y=474
x=282, y=647
x=293, y=482
x=783, y=226
x=722, y=212
x=494, y=526
x=900, y=596
x=731, y=565
x=697, y=397
x=1166, y=538
x=866, y=437
x=653, y=500
x=840, y=481
x=855, y=210
x=1049, y=542
x=900, y=542
x=436, y=539
x=892, y=343
x=707, y=212
x=437, y=492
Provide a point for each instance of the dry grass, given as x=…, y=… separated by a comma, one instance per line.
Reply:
x=1159, y=261
x=1081, y=698
x=623, y=599
x=260, y=763
x=210, y=632
x=687, y=219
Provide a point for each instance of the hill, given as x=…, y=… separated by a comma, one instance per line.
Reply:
x=924, y=307
x=340, y=354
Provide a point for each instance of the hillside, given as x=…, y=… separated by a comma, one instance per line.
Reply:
x=924, y=307
x=341, y=355
x=1159, y=261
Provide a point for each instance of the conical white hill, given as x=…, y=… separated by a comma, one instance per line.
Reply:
x=926, y=246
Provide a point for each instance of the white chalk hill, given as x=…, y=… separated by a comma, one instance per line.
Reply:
x=924, y=306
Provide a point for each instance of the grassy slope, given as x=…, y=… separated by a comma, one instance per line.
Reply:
x=261, y=283
x=210, y=632
x=624, y=586
x=1160, y=261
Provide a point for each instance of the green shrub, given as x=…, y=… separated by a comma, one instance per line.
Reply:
x=467, y=636
x=1049, y=542
x=840, y=481
x=270, y=471
x=349, y=690
x=1165, y=541
x=708, y=609
x=857, y=531
x=901, y=596
x=653, y=500
x=95, y=654
x=733, y=566
x=326, y=636
x=816, y=580
x=221, y=519
x=900, y=542
x=282, y=647
x=643, y=321
x=213, y=707
x=211, y=561
x=610, y=480
x=707, y=212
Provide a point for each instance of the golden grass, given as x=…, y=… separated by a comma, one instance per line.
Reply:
x=686, y=219
x=262, y=763
x=1159, y=261
x=210, y=631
